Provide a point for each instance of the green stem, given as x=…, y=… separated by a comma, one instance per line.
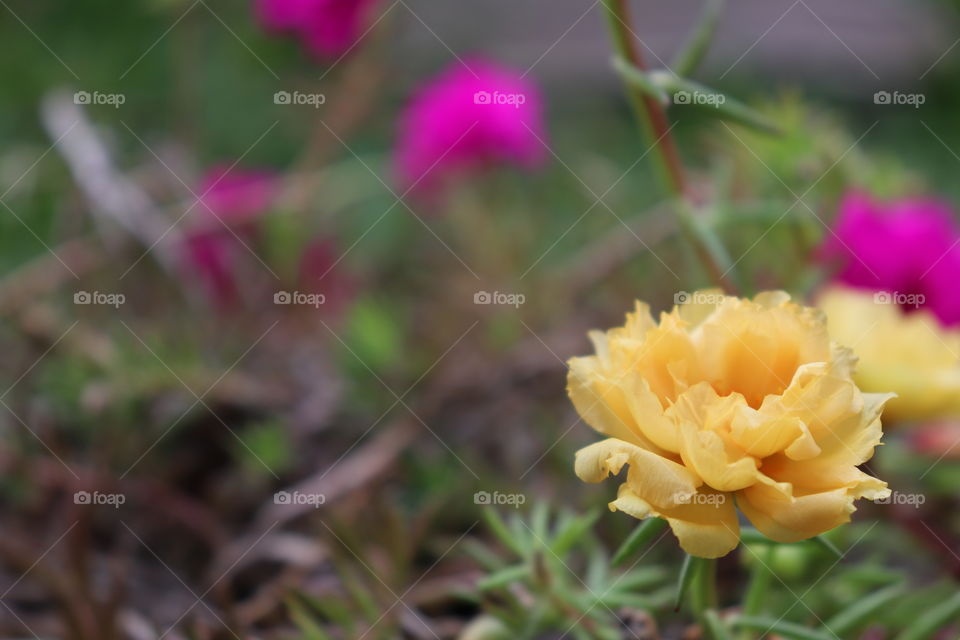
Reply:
x=652, y=118
x=758, y=587
x=649, y=113
x=703, y=596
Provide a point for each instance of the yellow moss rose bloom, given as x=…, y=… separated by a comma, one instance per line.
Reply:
x=728, y=402
x=910, y=354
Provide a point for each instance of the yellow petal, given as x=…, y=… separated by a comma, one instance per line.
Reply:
x=698, y=306
x=755, y=347
x=601, y=403
x=660, y=481
x=665, y=359
x=706, y=526
x=910, y=354
x=704, y=420
x=787, y=518
x=649, y=416
x=761, y=436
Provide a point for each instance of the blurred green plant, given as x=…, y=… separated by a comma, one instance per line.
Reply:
x=553, y=575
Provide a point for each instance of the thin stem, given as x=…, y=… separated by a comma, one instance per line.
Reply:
x=655, y=127
x=758, y=587
x=703, y=595
x=650, y=113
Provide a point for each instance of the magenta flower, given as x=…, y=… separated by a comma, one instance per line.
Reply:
x=909, y=246
x=319, y=273
x=230, y=201
x=472, y=115
x=236, y=196
x=327, y=28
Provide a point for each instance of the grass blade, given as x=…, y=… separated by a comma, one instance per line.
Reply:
x=788, y=630
x=863, y=611
x=640, y=538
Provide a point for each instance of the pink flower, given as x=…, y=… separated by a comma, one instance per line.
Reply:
x=319, y=274
x=236, y=196
x=909, y=246
x=225, y=219
x=939, y=439
x=328, y=28
x=473, y=114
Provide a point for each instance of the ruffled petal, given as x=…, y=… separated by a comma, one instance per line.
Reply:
x=658, y=480
x=704, y=420
x=706, y=526
x=784, y=517
x=601, y=403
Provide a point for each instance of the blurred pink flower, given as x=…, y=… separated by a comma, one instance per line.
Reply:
x=230, y=201
x=938, y=440
x=908, y=246
x=471, y=115
x=210, y=257
x=319, y=274
x=328, y=28
x=236, y=196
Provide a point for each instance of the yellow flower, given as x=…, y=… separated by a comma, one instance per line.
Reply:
x=728, y=399
x=908, y=353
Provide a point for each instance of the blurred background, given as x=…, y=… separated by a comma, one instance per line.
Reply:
x=265, y=377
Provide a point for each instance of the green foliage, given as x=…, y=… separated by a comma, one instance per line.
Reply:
x=373, y=337
x=556, y=577
x=266, y=445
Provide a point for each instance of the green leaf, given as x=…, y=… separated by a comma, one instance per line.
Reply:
x=694, y=49
x=712, y=101
x=933, y=620
x=285, y=239
x=374, y=336
x=640, y=538
x=598, y=570
x=501, y=531
x=631, y=600
x=572, y=532
x=718, y=630
x=264, y=448
x=335, y=610
x=539, y=519
x=640, y=80
x=788, y=630
x=863, y=611
x=640, y=578
x=309, y=627
x=691, y=566
x=829, y=546
x=503, y=577
x=486, y=558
